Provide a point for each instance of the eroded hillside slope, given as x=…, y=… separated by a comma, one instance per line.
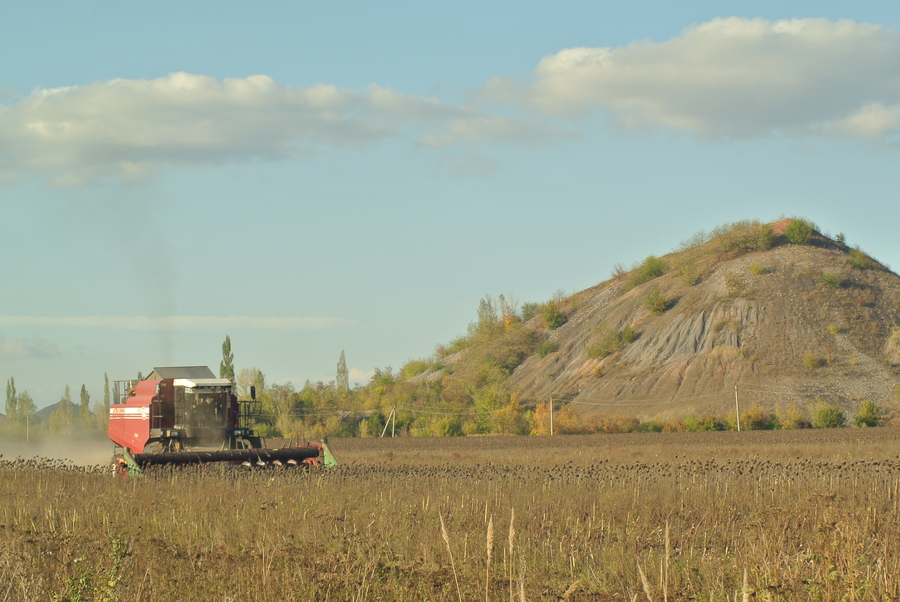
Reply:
x=795, y=323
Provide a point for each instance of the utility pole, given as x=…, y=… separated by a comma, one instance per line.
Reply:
x=388, y=421
x=551, y=415
x=737, y=409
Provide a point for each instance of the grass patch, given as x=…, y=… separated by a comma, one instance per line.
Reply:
x=688, y=274
x=812, y=361
x=609, y=342
x=758, y=269
x=735, y=285
x=860, y=260
x=832, y=279
x=545, y=348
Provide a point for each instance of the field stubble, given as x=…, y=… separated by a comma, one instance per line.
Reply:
x=789, y=515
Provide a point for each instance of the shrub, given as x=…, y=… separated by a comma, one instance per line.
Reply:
x=832, y=279
x=688, y=274
x=447, y=426
x=758, y=269
x=744, y=237
x=860, y=260
x=811, y=361
x=758, y=419
x=552, y=315
x=454, y=346
x=841, y=238
x=610, y=342
x=792, y=417
x=655, y=302
x=834, y=329
x=413, y=368
x=650, y=426
x=828, y=416
x=759, y=239
x=545, y=348
x=652, y=267
x=704, y=423
x=798, y=231
x=869, y=414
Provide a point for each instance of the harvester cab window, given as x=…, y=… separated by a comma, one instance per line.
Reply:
x=205, y=408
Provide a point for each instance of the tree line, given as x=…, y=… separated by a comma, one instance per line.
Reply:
x=68, y=418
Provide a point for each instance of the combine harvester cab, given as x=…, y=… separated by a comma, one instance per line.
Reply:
x=184, y=415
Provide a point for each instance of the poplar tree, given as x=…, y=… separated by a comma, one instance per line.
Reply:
x=12, y=400
x=342, y=380
x=84, y=408
x=106, y=391
x=226, y=368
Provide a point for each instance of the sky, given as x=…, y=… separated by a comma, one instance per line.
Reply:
x=310, y=178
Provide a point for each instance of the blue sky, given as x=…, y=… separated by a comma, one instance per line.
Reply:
x=311, y=178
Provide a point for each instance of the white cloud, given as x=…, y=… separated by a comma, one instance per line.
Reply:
x=126, y=128
x=179, y=322
x=729, y=77
x=33, y=347
x=357, y=375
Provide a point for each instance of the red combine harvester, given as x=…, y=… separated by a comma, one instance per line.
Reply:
x=185, y=415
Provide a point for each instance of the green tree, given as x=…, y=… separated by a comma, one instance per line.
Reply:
x=11, y=399
x=84, y=407
x=798, y=231
x=342, y=378
x=250, y=377
x=106, y=392
x=869, y=414
x=828, y=416
x=487, y=313
x=26, y=410
x=226, y=367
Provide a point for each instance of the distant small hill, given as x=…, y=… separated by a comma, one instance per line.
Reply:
x=743, y=309
x=44, y=413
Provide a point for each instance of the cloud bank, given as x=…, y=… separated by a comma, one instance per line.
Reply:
x=727, y=78
x=179, y=322
x=126, y=128
x=33, y=347
x=731, y=77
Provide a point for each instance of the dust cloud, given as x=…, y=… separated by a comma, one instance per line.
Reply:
x=79, y=451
